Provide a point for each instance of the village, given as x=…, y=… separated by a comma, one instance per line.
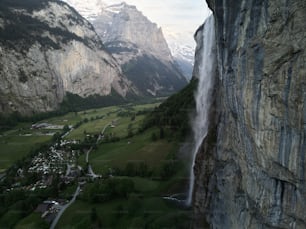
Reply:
x=59, y=161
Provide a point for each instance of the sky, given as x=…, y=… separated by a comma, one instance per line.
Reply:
x=179, y=19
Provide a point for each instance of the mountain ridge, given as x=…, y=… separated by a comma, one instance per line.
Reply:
x=177, y=52
x=48, y=49
x=137, y=43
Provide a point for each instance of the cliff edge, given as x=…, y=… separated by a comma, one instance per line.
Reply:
x=250, y=171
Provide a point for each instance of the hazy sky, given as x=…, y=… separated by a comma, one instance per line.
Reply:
x=180, y=18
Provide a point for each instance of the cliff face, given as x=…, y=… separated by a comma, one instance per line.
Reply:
x=140, y=48
x=124, y=22
x=250, y=171
x=47, y=49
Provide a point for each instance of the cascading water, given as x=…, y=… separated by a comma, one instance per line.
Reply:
x=204, y=93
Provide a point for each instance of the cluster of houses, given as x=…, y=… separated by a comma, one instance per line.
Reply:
x=59, y=160
x=55, y=159
x=49, y=209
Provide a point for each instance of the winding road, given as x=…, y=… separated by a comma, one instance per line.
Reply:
x=77, y=192
x=90, y=171
x=60, y=213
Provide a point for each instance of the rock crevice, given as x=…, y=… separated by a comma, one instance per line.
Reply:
x=254, y=176
x=48, y=49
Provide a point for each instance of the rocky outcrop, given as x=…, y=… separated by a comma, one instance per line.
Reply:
x=92, y=10
x=140, y=48
x=250, y=172
x=123, y=22
x=46, y=50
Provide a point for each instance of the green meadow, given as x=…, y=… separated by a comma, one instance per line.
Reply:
x=14, y=147
x=147, y=160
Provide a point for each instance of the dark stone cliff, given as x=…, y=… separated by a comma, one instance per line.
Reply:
x=250, y=171
x=46, y=50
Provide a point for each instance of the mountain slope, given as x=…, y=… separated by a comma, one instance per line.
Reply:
x=136, y=42
x=149, y=63
x=46, y=50
x=251, y=172
x=183, y=56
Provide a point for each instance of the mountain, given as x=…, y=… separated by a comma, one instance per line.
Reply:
x=48, y=49
x=139, y=47
x=184, y=57
x=250, y=170
x=88, y=9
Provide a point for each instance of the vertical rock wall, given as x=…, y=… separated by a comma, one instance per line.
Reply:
x=48, y=49
x=251, y=169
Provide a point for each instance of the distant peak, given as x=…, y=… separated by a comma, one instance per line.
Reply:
x=116, y=8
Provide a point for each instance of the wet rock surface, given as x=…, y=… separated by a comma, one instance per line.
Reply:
x=253, y=174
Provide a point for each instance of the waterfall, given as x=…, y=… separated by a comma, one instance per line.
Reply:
x=203, y=95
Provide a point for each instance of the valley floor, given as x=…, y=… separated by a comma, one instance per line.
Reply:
x=118, y=171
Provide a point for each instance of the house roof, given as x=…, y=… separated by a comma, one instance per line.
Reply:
x=43, y=207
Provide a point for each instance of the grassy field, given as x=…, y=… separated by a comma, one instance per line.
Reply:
x=134, y=212
x=14, y=147
x=110, y=116
x=73, y=117
x=33, y=221
x=91, y=127
x=17, y=143
x=145, y=207
x=139, y=148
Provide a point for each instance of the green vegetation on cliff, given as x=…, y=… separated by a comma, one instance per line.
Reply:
x=175, y=111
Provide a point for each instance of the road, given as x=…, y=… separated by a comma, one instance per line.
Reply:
x=68, y=169
x=99, y=138
x=105, y=128
x=77, y=192
x=68, y=132
x=91, y=172
x=2, y=175
x=87, y=154
x=60, y=213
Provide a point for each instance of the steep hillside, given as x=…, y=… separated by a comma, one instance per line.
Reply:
x=137, y=44
x=183, y=54
x=46, y=50
x=250, y=171
x=141, y=49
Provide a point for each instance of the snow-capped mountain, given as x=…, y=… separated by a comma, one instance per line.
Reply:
x=183, y=56
x=88, y=9
x=137, y=44
x=184, y=52
x=47, y=50
x=140, y=48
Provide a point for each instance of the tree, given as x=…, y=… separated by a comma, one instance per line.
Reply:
x=154, y=137
x=93, y=214
x=143, y=169
x=119, y=211
x=133, y=117
x=56, y=137
x=130, y=133
x=130, y=169
x=161, y=133
x=66, y=128
x=168, y=169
